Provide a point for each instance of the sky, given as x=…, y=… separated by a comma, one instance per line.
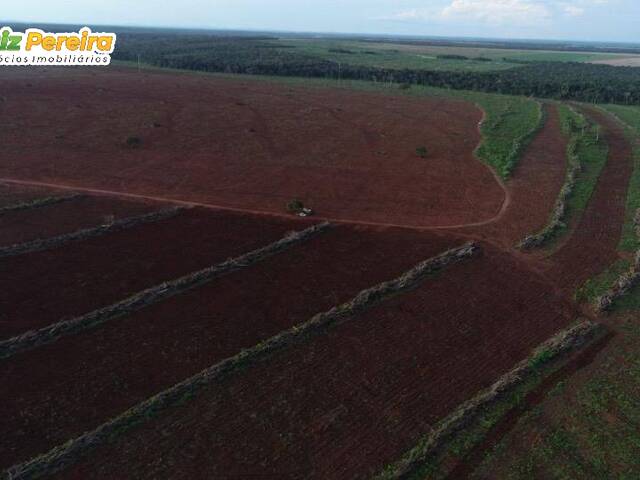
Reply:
x=592, y=20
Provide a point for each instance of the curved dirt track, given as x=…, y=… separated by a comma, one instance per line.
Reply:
x=592, y=245
x=351, y=155
x=167, y=200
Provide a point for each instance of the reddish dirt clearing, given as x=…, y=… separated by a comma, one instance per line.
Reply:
x=352, y=400
x=592, y=246
x=45, y=287
x=100, y=373
x=254, y=145
x=67, y=217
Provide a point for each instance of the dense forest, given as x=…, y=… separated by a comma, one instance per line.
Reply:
x=262, y=56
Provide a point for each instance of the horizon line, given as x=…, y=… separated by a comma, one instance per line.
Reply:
x=312, y=32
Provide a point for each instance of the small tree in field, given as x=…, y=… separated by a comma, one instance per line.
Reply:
x=295, y=206
x=422, y=152
x=133, y=142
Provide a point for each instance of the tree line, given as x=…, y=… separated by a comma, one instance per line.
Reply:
x=260, y=56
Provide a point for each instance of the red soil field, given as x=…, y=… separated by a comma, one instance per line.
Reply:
x=249, y=144
x=353, y=400
x=66, y=217
x=346, y=403
x=592, y=246
x=45, y=287
x=534, y=185
x=100, y=373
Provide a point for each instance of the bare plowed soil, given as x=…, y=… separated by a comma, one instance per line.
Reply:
x=100, y=373
x=355, y=399
x=49, y=286
x=67, y=217
x=351, y=155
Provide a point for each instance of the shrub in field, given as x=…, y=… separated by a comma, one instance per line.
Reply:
x=422, y=152
x=295, y=206
x=133, y=142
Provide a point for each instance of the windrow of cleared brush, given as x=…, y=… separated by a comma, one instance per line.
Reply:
x=561, y=343
x=65, y=455
x=574, y=125
x=40, y=202
x=60, y=240
x=50, y=334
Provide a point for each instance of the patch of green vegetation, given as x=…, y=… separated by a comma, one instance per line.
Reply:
x=540, y=359
x=543, y=56
x=629, y=302
x=510, y=125
x=394, y=56
x=598, y=286
x=429, y=57
x=628, y=114
x=592, y=151
x=571, y=122
x=591, y=432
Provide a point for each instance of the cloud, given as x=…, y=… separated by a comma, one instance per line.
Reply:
x=573, y=10
x=490, y=12
x=496, y=11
